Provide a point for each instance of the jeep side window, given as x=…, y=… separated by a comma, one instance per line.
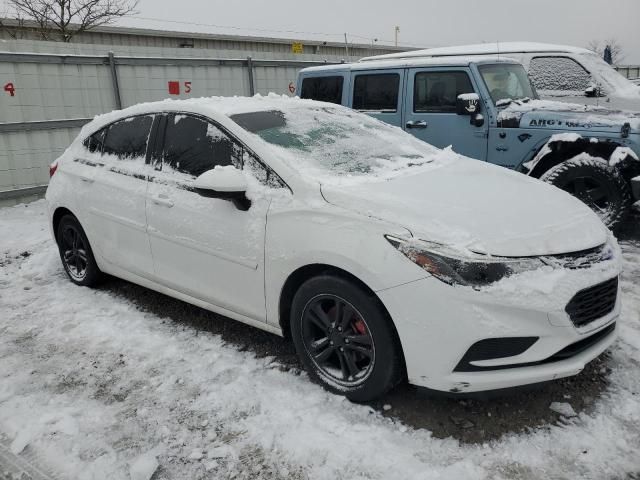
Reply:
x=376, y=92
x=436, y=92
x=559, y=74
x=323, y=89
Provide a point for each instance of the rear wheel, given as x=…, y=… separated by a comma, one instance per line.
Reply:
x=344, y=338
x=594, y=182
x=75, y=252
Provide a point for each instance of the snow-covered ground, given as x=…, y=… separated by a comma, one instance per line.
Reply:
x=93, y=387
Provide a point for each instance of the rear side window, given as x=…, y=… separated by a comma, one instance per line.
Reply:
x=558, y=73
x=127, y=139
x=323, y=89
x=193, y=145
x=376, y=92
x=437, y=92
x=94, y=142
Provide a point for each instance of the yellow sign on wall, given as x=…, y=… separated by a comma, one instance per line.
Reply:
x=297, y=47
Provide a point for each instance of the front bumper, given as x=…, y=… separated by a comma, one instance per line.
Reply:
x=437, y=324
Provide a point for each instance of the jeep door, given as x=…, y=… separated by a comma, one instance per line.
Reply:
x=430, y=110
x=205, y=247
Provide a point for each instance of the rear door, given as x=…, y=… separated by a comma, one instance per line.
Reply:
x=205, y=247
x=430, y=110
x=116, y=198
x=378, y=93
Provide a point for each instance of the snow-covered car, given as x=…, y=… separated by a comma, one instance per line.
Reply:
x=559, y=72
x=486, y=108
x=381, y=256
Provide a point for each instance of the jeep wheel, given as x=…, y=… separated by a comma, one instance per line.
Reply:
x=595, y=183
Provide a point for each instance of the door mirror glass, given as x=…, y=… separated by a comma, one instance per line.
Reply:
x=227, y=183
x=468, y=104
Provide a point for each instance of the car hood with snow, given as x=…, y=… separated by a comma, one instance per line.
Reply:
x=545, y=114
x=480, y=207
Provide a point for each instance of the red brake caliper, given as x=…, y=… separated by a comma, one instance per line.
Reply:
x=359, y=326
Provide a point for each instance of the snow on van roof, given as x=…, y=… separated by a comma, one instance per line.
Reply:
x=497, y=48
x=399, y=62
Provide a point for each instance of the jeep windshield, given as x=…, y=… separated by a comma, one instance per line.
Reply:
x=506, y=83
x=336, y=140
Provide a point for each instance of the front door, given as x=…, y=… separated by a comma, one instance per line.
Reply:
x=430, y=111
x=205, y=247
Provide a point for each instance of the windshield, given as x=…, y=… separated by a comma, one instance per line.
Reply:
x=507, y=82
x=338, y=141
x=616, y=83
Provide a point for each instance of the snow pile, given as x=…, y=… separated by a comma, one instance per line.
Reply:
x=93, y=384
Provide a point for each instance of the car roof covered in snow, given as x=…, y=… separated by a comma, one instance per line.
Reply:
x=497, y=48
x=400, y=62
x=216, y=108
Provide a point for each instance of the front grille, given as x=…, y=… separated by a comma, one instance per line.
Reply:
x=593, y=303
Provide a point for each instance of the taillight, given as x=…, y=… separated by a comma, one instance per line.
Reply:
x=52, y=169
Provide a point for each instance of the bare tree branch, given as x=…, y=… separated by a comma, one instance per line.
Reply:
x=66, y=18
x=617, y=51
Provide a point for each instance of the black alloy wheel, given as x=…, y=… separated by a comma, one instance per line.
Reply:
x=338, y=340
x=75, y=252
x=345, y=338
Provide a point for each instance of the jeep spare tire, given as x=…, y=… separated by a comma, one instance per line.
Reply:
x=594, y=182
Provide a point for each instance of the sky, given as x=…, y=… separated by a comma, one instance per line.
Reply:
x=422, y=22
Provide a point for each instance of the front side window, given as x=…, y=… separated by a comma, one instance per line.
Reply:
x=438, y=91
x=376, y=92
x=558, y=73
x=193, y=145
x=323, y=89
x=127, y=139
x=506, y=82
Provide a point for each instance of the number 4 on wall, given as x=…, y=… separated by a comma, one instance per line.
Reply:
x=10, y=89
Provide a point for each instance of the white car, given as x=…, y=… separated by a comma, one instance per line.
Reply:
x=381, y=256
x=558, y=72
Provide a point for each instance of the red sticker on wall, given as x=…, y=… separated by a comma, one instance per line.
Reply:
x=174, y=88
x=10, y=89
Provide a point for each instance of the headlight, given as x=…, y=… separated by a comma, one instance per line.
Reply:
x=456, y=268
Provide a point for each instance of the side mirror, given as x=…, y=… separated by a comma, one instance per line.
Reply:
x=226, y=183
x=468, y=104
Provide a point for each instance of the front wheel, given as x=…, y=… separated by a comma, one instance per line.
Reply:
x=344, y=338
x=595, y=183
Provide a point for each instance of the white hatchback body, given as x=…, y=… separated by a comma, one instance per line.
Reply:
x=349, y=206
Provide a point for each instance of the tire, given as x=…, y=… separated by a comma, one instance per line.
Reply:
x=594, y=182
x=76, y=254
x=358, y=357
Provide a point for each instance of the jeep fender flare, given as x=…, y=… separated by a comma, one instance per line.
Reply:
x=565, y=146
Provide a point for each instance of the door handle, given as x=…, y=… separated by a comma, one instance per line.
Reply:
x=163, y=200
x=86, y=179
x=417, y=124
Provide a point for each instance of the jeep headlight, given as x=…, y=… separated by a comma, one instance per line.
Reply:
x=457, y=268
